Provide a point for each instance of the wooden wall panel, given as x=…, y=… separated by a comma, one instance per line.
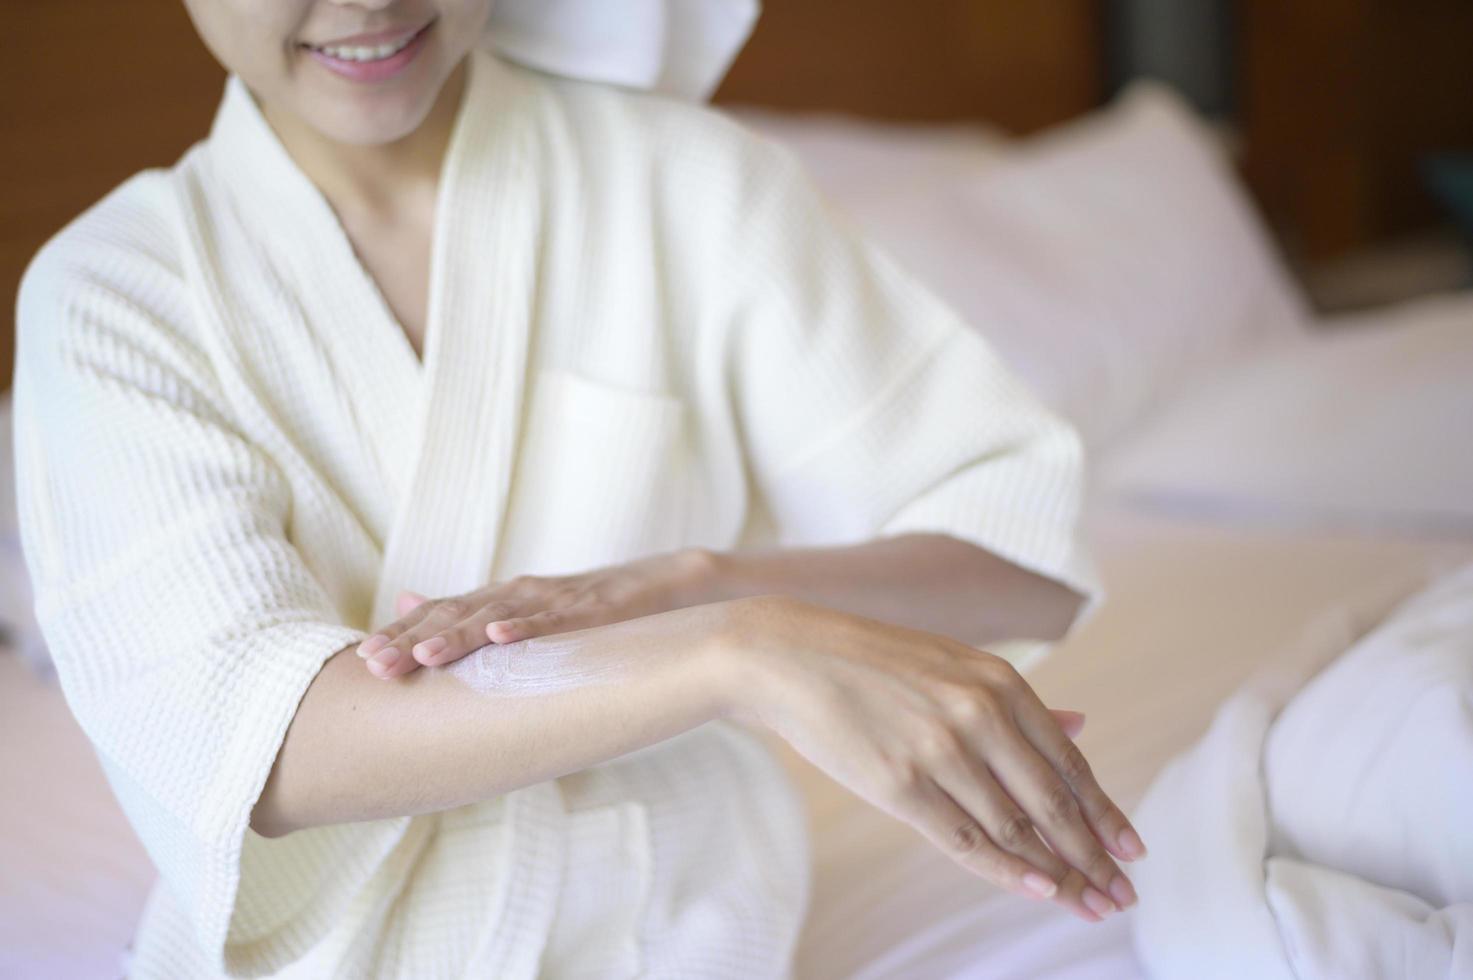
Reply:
x=93, y=92
x=1022, y=66
x=90, y=93
x=1340, y=99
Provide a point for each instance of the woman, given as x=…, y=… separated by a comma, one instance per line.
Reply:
x=662, y=450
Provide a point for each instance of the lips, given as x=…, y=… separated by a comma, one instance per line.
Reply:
x=371, y=39
x=371, y=64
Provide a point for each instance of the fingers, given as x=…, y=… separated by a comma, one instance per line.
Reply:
x=451, y=633
x=972, y=786
x=386, y=650
x=540, y=624
x=1040, y=790
x=432, y=634
x=933, y=811
x=1107, y=821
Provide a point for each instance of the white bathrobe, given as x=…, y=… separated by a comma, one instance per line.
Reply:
x=644, y=332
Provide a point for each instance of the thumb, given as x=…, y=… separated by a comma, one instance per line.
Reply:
x=407, y=601
x=1071, y=721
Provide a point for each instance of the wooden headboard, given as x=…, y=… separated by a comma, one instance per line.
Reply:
x=1019, y=65
x=1336, y=98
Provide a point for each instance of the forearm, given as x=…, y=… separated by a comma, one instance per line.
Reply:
x=933, y=582
x=504, y=717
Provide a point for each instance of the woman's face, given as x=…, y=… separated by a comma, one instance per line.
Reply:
x=266, y=42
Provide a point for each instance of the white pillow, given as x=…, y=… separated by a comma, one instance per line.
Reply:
x=1368, y=423
x=1111, y=261
x=856, y=160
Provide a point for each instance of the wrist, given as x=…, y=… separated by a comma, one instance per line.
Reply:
x=745, y=655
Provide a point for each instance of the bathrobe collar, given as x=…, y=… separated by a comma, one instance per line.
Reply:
x=445, y=432
x=469, y=391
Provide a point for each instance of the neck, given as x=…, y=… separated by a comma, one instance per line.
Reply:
x=376, y=178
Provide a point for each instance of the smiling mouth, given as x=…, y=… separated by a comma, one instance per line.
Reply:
x=366, y=52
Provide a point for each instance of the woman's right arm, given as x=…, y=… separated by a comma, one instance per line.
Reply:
x=503, y=717
x=913, y=722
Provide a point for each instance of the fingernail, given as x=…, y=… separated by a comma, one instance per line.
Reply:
x=430, y=647
x=1039, y=885
x=367, y=647
x=385, y=659
x=1121, y=891
x=1097, y=902
x=1130, y=843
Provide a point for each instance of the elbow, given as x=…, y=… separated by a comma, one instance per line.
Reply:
x=1065, y=611
x=1048, y=613
x=267, y=816
x=267, y=823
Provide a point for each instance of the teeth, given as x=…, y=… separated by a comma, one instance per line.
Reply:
x=365, y=54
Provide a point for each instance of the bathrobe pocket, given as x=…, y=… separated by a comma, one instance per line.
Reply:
x=596, y=930
x=601, y=477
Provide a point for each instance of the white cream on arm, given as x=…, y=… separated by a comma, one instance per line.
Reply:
x=542, y=665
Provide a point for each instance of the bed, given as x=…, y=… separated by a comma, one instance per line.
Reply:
x=1160, y=283
x=1170, y=644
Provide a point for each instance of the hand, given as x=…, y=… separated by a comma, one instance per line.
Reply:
x=435, y=632
x=943, y=736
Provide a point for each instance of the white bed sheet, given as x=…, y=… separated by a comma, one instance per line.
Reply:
x=1193, y=609
x=72, y=874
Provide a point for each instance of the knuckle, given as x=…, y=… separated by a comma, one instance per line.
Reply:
x=467, y=638
x=1015, y=830
x=938, y=743
x=1002, y=673
x=966, y=837
x=1074, y=766
x=975, y=708
x=972, y=705
x=903, y=781
x=1059, y=803
x=549, y=616
x=454, y=608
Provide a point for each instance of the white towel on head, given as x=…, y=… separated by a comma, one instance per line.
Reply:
x=680, y=47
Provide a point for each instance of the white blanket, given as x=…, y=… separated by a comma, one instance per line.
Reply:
x=1323, y=827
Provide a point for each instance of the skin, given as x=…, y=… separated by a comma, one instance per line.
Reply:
x=943, y=736
x=374, y=151
x=864, y=658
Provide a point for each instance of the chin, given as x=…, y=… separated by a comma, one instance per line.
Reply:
x=369, y=118
x=360, y=130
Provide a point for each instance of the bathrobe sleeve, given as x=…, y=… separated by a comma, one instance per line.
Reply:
x=871, y=409
x=184, y=625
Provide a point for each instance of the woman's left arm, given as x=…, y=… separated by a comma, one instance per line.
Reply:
x=908, y=474
x=927, y=580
